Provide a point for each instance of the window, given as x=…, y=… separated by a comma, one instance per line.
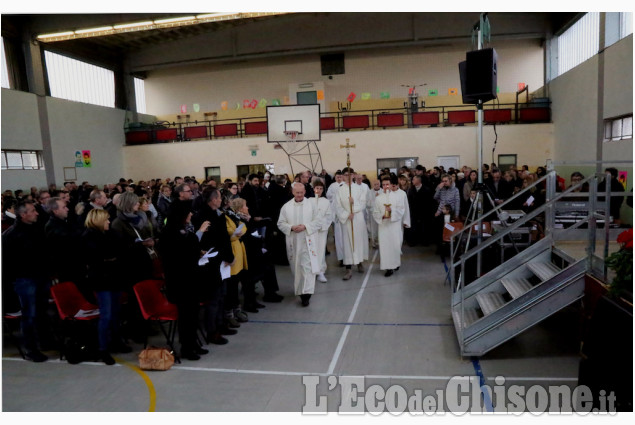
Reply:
x=394, y=164
x=140, y=95
x=79, y=81
x=618, y=128
x=306, y=98
x=626, y=24
x=505, y=162
x=245, y=170
x=5, y=69
x=213, y=172
x=22, y=160
x=579, y=43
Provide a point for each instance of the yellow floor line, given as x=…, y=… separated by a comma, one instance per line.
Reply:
x=146, y=378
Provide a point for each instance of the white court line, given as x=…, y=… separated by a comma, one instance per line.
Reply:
x=535, y=378
x=340, y=345
x=289, y=373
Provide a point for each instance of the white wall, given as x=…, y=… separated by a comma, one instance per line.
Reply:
x=20, y=121
x=574, y=97
x=76, y=126
x=618, y=78
x=532, y=143
x=21, y=130
x=73, y=126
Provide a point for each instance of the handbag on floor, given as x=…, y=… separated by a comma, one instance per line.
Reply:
x=154, y=358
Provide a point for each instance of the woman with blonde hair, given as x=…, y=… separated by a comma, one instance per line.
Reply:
x=99, y=246
x=236, y=229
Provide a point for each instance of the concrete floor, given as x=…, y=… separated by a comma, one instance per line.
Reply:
x=391, y=331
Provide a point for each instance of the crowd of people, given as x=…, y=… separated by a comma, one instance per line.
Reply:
x=213, y=242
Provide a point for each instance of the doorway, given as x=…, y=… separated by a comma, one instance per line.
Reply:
x=213, y=172
x=394, y=164
x=448, y=161
x=243, y=171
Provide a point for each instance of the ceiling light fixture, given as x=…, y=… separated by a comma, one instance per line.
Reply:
x=57, y=34
x=150, y=25
x=134, y=25
x=215, y=15
x=89, y=30
x=170, y=20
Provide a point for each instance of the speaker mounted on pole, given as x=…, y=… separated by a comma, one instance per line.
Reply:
x=478, y=76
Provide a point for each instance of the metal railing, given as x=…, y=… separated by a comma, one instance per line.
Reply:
x=341, y=121
x=548, y=209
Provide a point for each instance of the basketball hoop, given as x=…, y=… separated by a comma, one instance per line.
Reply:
x=291, y=135
x=292, y=144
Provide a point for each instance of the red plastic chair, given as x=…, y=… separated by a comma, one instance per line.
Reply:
x=7, y=321
x=69, y=302
x=156, y=307
x=73, y=310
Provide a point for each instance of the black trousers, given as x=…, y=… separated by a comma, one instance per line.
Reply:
x=215, y=308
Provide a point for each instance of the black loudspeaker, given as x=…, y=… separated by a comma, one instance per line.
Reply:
x=462, y=74
x=478, y=76
x=332, y=64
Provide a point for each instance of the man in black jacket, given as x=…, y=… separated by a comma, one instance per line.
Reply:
x=498, y=188
x=63, y=245
x=616, y=199
x=419, y=201
x=21, y=244
x=215, y=237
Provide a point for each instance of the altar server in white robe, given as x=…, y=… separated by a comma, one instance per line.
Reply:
x=325, y=217
x=403, y=199
x=331, y=195
x=370, y=202
x=368, y=215
x=350, y=209
x=299, y=224
x=388, y=213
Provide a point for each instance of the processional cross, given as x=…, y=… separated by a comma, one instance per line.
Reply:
x=348, y=147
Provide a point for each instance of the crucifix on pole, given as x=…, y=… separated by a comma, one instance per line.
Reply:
x=348, y=147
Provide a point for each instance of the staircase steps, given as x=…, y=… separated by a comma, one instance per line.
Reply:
x=516, y=287
x=543, y=270
x=470, y=315
x=490, y=302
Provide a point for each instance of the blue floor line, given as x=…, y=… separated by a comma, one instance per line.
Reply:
x=481, y=377
x=348, y=323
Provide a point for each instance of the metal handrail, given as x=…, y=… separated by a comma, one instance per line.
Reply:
x=338, y=115
x=527, y=217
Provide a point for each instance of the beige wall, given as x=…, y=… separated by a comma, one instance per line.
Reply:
x=532, y=143
x=367, y=71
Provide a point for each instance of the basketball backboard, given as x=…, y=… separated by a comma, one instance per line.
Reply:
x=305, y=119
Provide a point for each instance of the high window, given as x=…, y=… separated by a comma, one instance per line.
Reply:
x=5, y=69
x=80, y=81
x=22, y=160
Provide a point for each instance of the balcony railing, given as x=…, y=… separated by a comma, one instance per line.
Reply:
x=372, y=119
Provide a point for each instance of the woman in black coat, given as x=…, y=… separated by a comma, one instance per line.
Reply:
x=180, y=253
x=99, y=247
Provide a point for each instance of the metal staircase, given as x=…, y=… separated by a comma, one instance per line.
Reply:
x=530, y=286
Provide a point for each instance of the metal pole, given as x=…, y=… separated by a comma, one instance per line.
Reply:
x=479, y=231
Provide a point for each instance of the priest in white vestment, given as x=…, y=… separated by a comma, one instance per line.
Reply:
x=351, y=203
x=299, y=224
x=331, y=195
x=388, y=214
x=324, y=216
